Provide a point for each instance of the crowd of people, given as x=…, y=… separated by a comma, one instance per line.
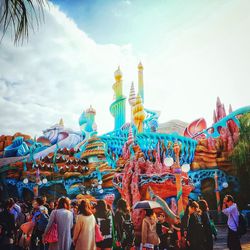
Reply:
x=86, y=225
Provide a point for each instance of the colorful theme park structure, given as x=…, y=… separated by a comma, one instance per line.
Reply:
x=128, y=161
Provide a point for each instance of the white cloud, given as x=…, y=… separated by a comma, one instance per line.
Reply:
x=59, y=73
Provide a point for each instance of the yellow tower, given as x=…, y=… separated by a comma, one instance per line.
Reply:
x=138, y=114
x=118, y=107
x=140, y=81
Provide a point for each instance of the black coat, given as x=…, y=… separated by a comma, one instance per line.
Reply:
x=7, y=222
x=195, y=233
x=207, y=231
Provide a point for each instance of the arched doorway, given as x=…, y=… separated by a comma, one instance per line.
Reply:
x=53, y=192
x=27, y=194
x=12, y=190
x=208, y=192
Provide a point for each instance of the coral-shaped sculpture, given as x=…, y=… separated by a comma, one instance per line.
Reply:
x=138, y=114
x=195, y=127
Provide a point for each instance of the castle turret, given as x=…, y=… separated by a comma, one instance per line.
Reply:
x=118, y=107
x=132, y=99
x=61, y=123
x=132, y=95
x=90, y=115
x=138, y=114
x=140, y=81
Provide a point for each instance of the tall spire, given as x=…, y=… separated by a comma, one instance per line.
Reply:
x=118, y=107
x=230, y=108
x=138, y=114
x=140, y=81
x=61, y=123
x=218, y=102
x=215, y=117
x=132, y=95
x=130, y=136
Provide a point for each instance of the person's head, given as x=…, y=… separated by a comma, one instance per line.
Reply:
x=63, y=202
x=101, y=209
x=24, y=208
x=193, y=207
x=122, y=206
x=149, y=212
x=8, y=204
x=37, y=202
x=51, y=205
x=84, y=208
x=203, y=205
x=161, y=217
x=228, y=200
x=74, y=207
x=56, y=203
x=44, y=198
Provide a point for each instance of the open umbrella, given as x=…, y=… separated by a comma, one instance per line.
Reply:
x=146, y=205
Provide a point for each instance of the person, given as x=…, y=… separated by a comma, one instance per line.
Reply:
x=44, y=198
x=230, y=209
x=21, y=219
x=7, y=226
x=162, y=229
x=205, y=220
x=195, y=228
x=84, y=232
x=150, y=239
x=104, y=219
x=184, y=226
x=40, y=219
x=123, y=225
x=51, y=206
x=64, y=220
x=16, y=209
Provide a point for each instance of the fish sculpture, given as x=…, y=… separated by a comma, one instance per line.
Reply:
x=163, y=204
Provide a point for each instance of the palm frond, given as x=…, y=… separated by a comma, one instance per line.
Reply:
x=18, y=15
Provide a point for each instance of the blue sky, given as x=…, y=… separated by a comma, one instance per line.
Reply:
x=192, y=52
x=144, y=23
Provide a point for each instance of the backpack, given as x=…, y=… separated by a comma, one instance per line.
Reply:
x=42, y=222
x=105, y=225
x=242, y=227
x=128, y=236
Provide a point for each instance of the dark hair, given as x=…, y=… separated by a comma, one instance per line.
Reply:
x=161, y=214
x=74, y=204
x=101, y=209
x=194, y=204
x=8, y=204
x=39, y=200
x=62, y=202
x=149, y=212
x=230, y=197
x=122, y=205
x=84, y=208
x=203, y=205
